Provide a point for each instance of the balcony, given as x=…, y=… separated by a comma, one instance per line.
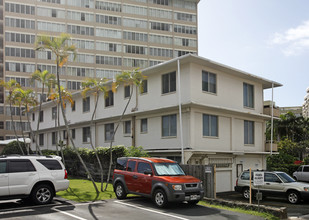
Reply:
x=267, y=147
x=267, y=111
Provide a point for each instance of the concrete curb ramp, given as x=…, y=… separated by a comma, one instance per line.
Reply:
x=278, y=212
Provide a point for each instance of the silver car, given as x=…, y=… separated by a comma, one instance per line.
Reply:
x=276, y=184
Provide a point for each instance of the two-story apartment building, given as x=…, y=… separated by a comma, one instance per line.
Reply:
x=211, y=112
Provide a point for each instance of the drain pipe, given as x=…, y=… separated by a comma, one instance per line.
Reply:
x=180, y=113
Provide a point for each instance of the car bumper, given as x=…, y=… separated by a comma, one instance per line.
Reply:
x=185, y=196
x=62, y=185
x=304, y=195
x=238, y=189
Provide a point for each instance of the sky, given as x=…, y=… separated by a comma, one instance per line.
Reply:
x=267, y=38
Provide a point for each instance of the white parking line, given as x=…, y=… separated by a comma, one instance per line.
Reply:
x=151, y=210
x=68, y=214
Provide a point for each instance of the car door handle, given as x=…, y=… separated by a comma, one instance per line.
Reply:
x=31, y=174
x=3, y=176
x=267, y=183
x=134, y=177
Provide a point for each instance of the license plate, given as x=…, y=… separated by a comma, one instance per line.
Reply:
x=193, y=197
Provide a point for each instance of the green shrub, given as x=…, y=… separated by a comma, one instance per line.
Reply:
x=13, y=148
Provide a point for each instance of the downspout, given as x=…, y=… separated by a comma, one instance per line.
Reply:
x=180, y=113
x=272, y=118
x=134, y=117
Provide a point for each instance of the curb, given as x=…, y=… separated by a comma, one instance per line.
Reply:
x=278, y=212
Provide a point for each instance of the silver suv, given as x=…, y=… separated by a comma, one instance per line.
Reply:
x=276, y=184
x=37, y=178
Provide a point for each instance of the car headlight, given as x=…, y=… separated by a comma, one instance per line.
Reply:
x=306, y=189
x=201, y=185
x=177, y=187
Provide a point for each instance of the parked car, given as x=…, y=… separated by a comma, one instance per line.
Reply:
x=276, y=184
x=35, y=178
x=302, y=173
x=162, y=180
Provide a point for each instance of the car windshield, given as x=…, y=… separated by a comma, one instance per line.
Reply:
x=168, y=169
x=285, y=178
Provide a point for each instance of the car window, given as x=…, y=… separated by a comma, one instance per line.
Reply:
x=306, y=169
x=51, y=164
x=142, y=167
x=300, y=168
x=131, y=166
x=270, y=177
x=16, y=166
x=3, y=165
x=245, y=176
x=121, y=164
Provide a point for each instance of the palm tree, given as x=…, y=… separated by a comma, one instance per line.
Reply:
x=133, y=78
x=17, y=100
x=95, y=86
x=10, y=86
x=46, y=79
x=60, y=48
x=29, y=100
x=66, y=97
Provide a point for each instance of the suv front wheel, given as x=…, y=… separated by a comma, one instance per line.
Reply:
x=160, y=198
x=42, y=194
x=293, y=196
x=246, y=193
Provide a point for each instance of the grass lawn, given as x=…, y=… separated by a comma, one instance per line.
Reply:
x=81, y=190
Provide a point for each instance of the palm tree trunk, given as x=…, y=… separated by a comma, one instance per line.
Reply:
x=68, y=130
x=38, y=123
x=91, y=142
x=21, y=149
x=111, y=144
x=28, y=120
x=22, y=129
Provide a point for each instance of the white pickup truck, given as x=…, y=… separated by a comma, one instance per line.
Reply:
x=302, y=173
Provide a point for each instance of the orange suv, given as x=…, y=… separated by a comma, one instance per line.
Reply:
x=162, y=180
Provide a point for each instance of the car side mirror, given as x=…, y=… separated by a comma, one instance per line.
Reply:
x=148, y=172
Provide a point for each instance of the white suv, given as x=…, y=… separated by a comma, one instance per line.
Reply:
x=37, y=178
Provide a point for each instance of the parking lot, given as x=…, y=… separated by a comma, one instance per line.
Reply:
x=135, y=208
x=300, y=210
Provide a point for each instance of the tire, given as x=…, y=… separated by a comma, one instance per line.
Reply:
x=42, y=194
x=246, y=193
x=293, y=197
x=160, y=198
x=120, y=191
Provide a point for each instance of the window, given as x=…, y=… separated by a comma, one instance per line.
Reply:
x=169, y=126
x=86, y=134
x=142, y=167
x=210, y=125
x=73, y=106
x=269, y=177
x=109, y=100
x=169, y=82
x=209, y=83
x=54, y=112
x=86, y=104
x=249, y=132
x=33, y=116
x=41, y=139
x=144, y=88
x=144, y=125
x=54, y=138
x=16, y=166
x=127, y=127
x=73, y=133
x=50, y=164
x=248, y=95
x=127, y=91
x=3, y=165
x=306, y=169
x=109, y=130
x=131, y=166
x=41, y=116
x=1, y=125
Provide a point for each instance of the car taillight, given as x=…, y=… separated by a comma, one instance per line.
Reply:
x=237, y=182
x=65, y=174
